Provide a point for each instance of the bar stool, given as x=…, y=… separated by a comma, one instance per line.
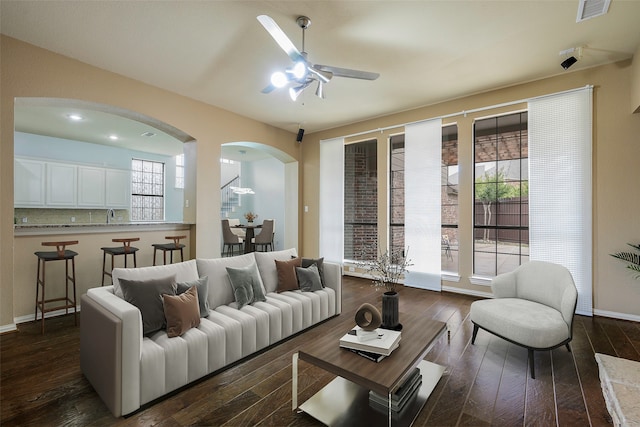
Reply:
x=125, y=249
x=61, y=253
x=164, y=247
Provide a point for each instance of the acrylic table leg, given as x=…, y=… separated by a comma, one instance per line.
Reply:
x=294, y=382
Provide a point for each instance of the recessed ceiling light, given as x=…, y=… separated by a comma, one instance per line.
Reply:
x=113, y=137
x=75, y=117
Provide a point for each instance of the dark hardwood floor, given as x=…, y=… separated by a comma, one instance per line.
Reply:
x=484, y=384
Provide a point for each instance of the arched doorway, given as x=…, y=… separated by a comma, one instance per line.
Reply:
x=272, y=176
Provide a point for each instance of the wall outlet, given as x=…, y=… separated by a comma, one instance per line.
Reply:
x=186, y=203
x=73, y=219
x=24, y=219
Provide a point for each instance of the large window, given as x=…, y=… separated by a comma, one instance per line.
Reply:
x=449, y=203
x=501, y=208
x=147, y=190
x=396, y=194
x=361, y=201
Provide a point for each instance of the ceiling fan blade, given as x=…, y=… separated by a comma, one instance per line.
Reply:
x=346, y=72
x=268, y=89
x=322, y=75
x=281, y=38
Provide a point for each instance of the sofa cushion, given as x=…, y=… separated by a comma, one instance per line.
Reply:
x=287, y=279
x=202, y=286
x=147, y=296
x=184, y=271
x=242, y=286
x=246, y=284
x=220, y=290
x=267, y=266
x=181, y=311
x=525, y=322
x=319, y=262
x=309, y=278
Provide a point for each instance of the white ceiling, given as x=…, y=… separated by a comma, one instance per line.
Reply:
x=425, y=51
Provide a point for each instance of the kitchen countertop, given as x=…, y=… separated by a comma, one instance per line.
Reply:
x=83, y=228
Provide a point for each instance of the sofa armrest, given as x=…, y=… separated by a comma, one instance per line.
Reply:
x=333, y=280
x=504, y=285
x=110, y=348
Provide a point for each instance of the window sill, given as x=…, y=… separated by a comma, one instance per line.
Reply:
x=480, y=280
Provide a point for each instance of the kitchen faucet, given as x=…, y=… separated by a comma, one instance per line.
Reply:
x=111, y=214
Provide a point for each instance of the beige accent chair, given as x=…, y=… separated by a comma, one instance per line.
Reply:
x=533, y=307
x=230, y=240
x=264, y=239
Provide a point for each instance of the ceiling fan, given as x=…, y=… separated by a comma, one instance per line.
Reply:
x=302, y=73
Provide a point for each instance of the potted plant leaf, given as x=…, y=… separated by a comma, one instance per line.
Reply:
x=631, y=258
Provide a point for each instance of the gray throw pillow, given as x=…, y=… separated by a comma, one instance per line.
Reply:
x=246, y=284
x=147, y=296
x=202, y=285
x=309, y=278
x=306, y=262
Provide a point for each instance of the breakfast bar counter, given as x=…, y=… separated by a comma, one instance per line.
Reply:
x=91, y=238
x=90, y=228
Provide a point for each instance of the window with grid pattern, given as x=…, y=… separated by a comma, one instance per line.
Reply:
x=501, y=208
x=361, y=201
x=147, y=190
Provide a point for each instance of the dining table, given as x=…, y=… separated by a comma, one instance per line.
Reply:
x=249, y=234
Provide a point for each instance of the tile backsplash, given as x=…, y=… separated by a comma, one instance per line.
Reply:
x=25, y=216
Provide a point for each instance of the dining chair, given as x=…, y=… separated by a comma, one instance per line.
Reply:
x=264, y=239
x=230, y=239
x=240, y=232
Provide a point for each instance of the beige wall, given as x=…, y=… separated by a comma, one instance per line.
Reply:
x=28, y=71
x=616, y=174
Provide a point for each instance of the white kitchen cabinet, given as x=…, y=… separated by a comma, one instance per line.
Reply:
x=61, y=185
x=29, y=183
x=118, y=188
x=91, y=187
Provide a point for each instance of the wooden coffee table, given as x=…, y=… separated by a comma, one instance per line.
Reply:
x=345, y=400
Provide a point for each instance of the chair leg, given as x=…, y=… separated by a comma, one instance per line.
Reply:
x=568, y=347
x=104, y=265
x=154, y=255
x=531, y=361
x=475, y=332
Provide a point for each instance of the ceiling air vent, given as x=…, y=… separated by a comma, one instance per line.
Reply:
x=588, y=9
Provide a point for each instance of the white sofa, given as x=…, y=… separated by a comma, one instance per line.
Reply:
x=128, y=369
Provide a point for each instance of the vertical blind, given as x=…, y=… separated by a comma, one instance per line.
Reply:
x=560, y=221
x=422, y=223
x=332, y=199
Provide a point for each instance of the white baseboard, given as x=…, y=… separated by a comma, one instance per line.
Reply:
x=615, y=315
x=29, y=317
x=8, y=328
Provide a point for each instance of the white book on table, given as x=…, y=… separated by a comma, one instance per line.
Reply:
x=386, y=342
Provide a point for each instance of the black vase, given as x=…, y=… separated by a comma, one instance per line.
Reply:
x=390, y=311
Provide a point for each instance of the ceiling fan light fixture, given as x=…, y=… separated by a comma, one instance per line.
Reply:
x=279, y=79
x=300, y=70
x=294, y=92
x=320, y=90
